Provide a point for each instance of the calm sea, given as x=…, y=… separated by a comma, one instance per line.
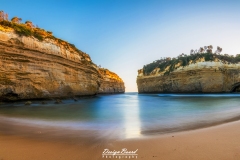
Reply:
x=128, y=115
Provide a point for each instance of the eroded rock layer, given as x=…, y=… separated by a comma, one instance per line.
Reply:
x=111, y=82
x=204, y=77
x=32, y=69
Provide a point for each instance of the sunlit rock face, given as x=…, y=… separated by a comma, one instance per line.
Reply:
x=31, y=69
x=206, y=77
x=111, y=82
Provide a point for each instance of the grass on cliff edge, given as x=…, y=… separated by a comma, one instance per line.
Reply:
x=38, y=33
x=185, y=60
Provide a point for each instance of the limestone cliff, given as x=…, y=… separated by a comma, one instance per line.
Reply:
x=111, y=83
x=202, y=76
x=30, y=68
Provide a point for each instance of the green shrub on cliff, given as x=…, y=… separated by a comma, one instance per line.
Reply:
x=40, y=34
x=28, y=29
x=18, y=28
x=24, y=30
x=184, y=60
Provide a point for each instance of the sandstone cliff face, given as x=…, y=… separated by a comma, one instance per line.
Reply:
x=199, y=77
x=111, y=82
x=33, y=69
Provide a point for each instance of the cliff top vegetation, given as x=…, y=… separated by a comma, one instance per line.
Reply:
x=28, y=29
x=167, y=64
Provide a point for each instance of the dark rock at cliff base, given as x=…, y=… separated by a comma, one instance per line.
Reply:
x=28, y=103
x=58, y=101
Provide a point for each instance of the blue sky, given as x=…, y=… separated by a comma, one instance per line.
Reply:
x=124, y=35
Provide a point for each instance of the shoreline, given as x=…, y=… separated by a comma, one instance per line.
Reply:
x=54, y=98
x=79, y=97
x=51, y=127
x=192, y=127
x=215, y=142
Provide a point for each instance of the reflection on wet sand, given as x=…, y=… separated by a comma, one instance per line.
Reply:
x=132, y=122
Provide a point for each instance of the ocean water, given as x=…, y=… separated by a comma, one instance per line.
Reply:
x=129, y=115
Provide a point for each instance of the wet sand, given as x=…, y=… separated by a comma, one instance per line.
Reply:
x=218, y=142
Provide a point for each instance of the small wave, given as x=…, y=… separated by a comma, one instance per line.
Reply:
x=199, y=95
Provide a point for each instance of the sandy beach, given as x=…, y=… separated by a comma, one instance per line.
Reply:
x=218, y=142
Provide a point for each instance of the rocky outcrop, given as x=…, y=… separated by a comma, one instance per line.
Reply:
x=197, y=77
x=111, y=82
x=31, y=69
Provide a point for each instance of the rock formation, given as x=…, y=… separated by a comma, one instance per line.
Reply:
x=111, y=83
x=216, y=76
x=33, y=69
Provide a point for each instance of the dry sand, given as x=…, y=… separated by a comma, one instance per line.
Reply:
x=218, y=142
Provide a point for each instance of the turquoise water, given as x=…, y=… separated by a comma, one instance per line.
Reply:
x=129, y=115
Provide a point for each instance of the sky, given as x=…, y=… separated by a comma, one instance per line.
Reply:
x=124, y=35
